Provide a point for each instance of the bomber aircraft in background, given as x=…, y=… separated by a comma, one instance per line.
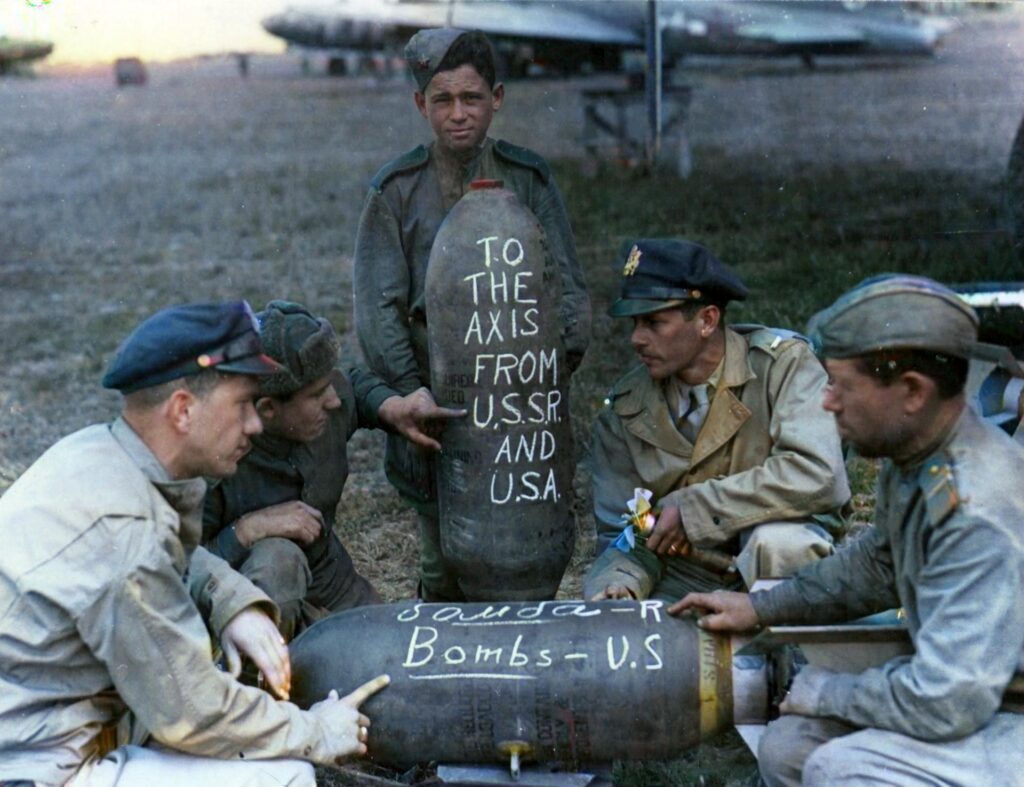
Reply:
x=575, y=35
x=16, y=52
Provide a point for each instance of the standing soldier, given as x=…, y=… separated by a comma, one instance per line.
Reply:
x=947, y=546
x=721, y=426
x=407, y=201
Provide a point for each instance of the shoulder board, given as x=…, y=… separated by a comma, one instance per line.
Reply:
x=938, y=485
x=770, y=340
x=524, y=157
x=414, y=159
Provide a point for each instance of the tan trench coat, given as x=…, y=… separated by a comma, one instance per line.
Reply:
x=95, y=617
x=767, y=452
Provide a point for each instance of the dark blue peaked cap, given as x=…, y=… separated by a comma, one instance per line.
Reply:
x=658, y=273
x=184, y=340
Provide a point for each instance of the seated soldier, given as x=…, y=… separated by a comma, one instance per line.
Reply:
x=107, y=603
x=722, y=426
x=273, y=520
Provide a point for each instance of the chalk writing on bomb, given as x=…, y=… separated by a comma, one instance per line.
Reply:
x=505, y=308
x=495, y=320
x=441, y=646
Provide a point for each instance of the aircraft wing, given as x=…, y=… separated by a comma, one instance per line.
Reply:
x=568, y=21
x=14, y=51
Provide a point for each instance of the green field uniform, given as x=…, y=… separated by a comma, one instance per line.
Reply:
x=104, y=606
x=766, y=455
x=406, y=204
x=948, y=546
x=305, y=581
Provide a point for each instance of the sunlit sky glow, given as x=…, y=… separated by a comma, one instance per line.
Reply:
x=89, y=31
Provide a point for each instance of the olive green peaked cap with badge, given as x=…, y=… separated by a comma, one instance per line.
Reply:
x=899, y=311
x=659, y=273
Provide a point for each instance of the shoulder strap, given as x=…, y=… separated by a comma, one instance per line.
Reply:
x=414, y=159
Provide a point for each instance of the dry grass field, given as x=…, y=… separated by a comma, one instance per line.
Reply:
x=201, y=185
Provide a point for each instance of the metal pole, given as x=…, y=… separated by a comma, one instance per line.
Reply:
x=653, y=82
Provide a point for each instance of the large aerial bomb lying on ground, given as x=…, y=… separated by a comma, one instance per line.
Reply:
x=569, y=681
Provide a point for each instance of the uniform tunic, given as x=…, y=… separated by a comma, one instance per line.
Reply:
x=304, y=580
x=766, y=453
x=101, y=594
x=948, y=546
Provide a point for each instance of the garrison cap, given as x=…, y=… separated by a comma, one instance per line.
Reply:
x=426, y=49
x=185, y=340
x=658, y=273
x=306, y=347
x=899, y=311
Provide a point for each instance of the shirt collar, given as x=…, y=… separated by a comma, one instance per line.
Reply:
x=185, y=496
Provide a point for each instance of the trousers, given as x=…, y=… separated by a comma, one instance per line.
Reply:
x=799, y=750
x=138, y=766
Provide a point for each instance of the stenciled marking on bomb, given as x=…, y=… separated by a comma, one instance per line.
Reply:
x=427, y=650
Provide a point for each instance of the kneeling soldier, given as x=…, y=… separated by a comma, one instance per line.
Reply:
x=722, y=426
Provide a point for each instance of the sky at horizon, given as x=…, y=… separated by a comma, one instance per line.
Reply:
x=98, y=31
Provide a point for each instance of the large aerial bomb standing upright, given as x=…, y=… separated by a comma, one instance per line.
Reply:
x=408, y=200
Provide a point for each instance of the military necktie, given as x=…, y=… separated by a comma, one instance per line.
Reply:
x=693, y=418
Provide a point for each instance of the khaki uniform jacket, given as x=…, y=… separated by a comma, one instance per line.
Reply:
x=95, y=617
x=766, y=452
x=405, y=206
x=947, y=546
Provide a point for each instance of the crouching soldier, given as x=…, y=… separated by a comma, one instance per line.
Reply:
x=274, y=519
x=106, y=597
x=721, y=426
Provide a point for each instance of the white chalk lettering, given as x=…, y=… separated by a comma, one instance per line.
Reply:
x=483, y=655
x=649, y=645
x=519, y=285
x=613, y=662
x=487, y=249
x=517, y=250
x=530, y=367
x=652, y=606
x=517, y=658
x=454, y=655
x=415, y=644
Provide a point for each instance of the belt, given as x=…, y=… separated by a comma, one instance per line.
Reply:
x=106, y=740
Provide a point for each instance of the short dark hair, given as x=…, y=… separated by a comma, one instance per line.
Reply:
x=948, y=371
x=475, y=49
x=690, y=309
x=200, y=385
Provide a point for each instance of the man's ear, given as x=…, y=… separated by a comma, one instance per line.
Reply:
x=498, y=96
x=266, y=408
x=709, y=318
x=421, y=102
x=180, y=410
x=919, y=389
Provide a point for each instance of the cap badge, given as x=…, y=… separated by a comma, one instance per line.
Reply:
x=632, y=261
